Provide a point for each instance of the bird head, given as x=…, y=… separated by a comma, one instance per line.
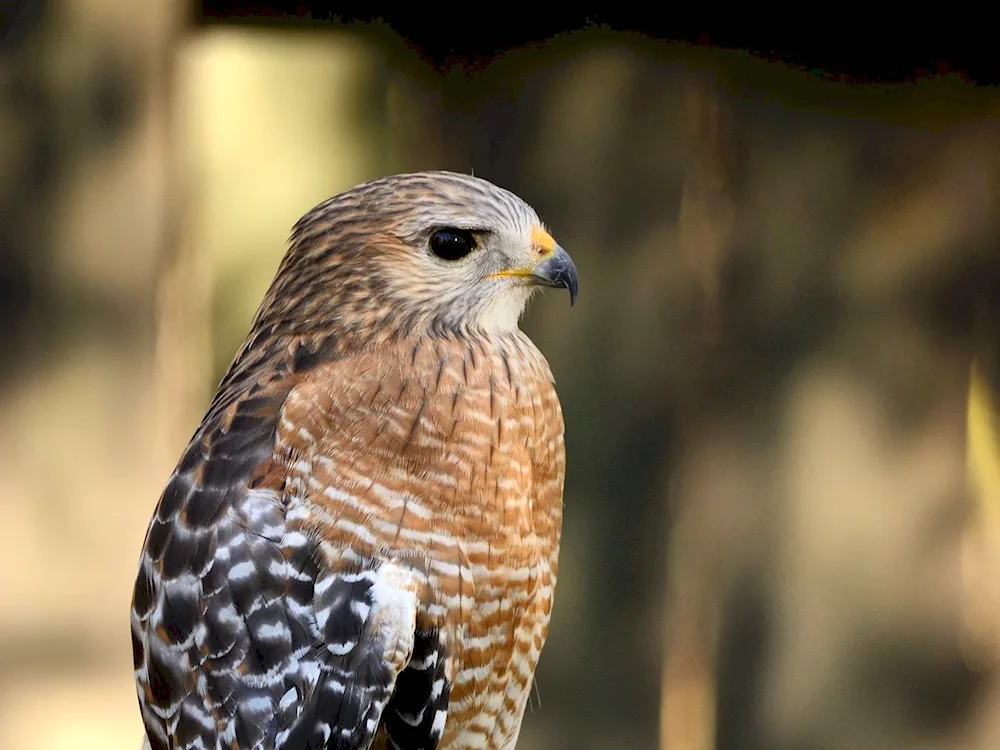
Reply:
x=423, y=251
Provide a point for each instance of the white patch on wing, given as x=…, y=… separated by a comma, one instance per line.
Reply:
x=394, y=605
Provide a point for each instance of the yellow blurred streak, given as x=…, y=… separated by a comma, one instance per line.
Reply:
x=981, y=553
x=984, y=447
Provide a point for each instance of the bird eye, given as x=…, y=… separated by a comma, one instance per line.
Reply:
x=452, y=244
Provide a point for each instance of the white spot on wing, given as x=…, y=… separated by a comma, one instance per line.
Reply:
x=288, y=698
x=241, y=570
x=341, y=649
x=437, y=728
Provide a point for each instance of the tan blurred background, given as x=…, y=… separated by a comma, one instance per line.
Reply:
x=771, y=536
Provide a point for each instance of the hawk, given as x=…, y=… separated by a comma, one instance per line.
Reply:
x=359, y=546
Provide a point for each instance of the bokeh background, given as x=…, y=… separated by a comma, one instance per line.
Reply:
x=779, y=381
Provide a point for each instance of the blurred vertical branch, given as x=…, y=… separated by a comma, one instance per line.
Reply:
x=182, y=365
x=705, y=227
x=707, y=212
x=183, y=339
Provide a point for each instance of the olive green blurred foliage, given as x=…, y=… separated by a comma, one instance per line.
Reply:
x=764, y=379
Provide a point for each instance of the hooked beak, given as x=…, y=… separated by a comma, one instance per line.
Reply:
x=555, y=269
x=558, y=271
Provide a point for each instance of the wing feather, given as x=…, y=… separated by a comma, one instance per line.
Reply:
x=245, y=633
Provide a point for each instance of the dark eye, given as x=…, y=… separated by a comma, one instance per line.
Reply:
x=452, y=244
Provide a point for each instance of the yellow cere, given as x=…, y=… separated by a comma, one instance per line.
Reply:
x=542, y=240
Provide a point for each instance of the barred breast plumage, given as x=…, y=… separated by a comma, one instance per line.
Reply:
x=448, y=457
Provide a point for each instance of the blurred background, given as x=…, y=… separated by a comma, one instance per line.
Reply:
x=783, y=495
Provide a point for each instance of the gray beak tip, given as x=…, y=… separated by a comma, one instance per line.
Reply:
x=558, y=270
